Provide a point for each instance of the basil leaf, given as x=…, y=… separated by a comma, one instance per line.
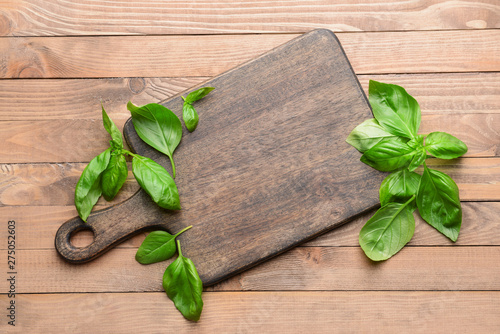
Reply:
x=418, y=159
x=399, y=187
x=190, y=117
x=156, y=181
x=394, y=108
x=367, y=134
x=183, y=286
x=387, y=231
x=114, y=176
x=388, y=155
x=158, y=246
x=88, y=189
x=198, y=94
x=442, y=145
x=116, y=136
x=438, y=202
x=158, y=127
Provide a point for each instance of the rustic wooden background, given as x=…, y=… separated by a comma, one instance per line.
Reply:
x=59, y=59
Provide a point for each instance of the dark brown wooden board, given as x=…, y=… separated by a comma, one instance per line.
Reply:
x=267, y=168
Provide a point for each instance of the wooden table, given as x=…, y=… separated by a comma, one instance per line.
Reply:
x=59, y=59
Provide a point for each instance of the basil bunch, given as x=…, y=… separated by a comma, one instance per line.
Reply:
x=181, y=281
x=390, y=143
x=106, y=174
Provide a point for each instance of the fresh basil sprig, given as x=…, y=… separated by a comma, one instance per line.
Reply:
x=390, y=143
x=189, y=114
x=106, y=174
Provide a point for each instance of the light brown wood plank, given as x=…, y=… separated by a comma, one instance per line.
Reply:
x=53, y=184
x=43, y=99
x=169, y=56
x=37, y=226
x=65, y=140
x=302, y=268
x=37, y=17
x=257, y=312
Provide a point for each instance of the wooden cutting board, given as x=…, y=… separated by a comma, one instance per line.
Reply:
x=267, y=168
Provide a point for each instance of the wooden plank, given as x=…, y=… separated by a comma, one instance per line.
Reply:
x=37, y=17
x=53, y=184
x=278, y=312
x=80, y=140
x=37, y=226
x=302, y=268
x=44, y=99
x=154, y=56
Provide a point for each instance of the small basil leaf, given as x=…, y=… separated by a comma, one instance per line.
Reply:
x=399, y=187
x=157, y=246
x=438, y=202
x=190, y=117
x=444, y=146
x=387, y=231
x=114, y=176
x=157, y=182
x=417, y=142
x=158, y=127
x=388, y=155
x=116, y=135
x=394, y=108
x=198, y=94
x=183, y=286
x=367, y=134
x=418, y=159
x=88, y=189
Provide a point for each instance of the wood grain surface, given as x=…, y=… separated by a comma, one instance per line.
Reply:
x=264, y=171
x=59, y=59
x=46, y=18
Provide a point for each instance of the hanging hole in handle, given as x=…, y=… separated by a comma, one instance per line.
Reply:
x=82, y=237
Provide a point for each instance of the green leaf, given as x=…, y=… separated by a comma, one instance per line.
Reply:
x=183, y=286
x=198, y=94
x=367, y=134
x=114, y=176
x=394, y=108
x=88, y=189
x=116, y=135
x=387, y=231
x=388, y=155
x=158, y=127
x=438, y=202
x=399, y=187
x=156, y=181
x=158, y=246
x=442, y=145
x=418, y=159
x=190, y=116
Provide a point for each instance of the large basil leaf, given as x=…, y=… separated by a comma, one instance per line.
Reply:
x=198, y=94
x=438, y=202
x=399, y=187
x=116, y=135
x=367, y=134
x=394, y=108
x=158, y=246
x=158, y=127
x=156, y=181
x=388, y=155
x=387, y=231
x=88, y=189
x=444, y=146
x=183, y=286
x=114, y=176
x=190, y=116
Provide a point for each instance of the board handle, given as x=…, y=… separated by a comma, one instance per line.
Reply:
x=109, y=226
